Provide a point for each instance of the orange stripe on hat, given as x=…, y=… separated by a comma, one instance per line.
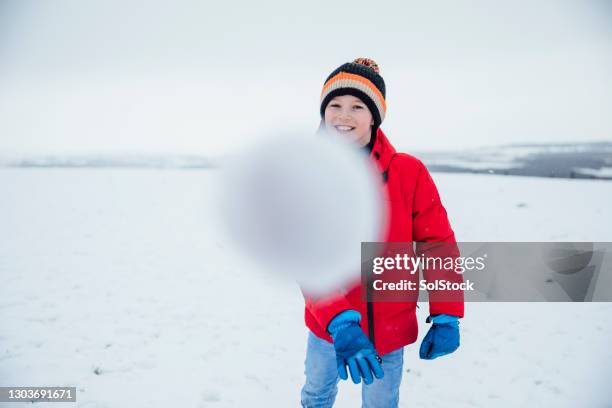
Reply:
x=353, y=77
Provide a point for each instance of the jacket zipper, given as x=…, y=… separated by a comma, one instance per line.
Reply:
x=370, y=305
x=371, y=322
x=370, y=311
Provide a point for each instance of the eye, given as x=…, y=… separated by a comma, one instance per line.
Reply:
x=334, y=105
x=357, y=107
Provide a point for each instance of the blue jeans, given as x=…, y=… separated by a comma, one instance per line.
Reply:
x=322, y=378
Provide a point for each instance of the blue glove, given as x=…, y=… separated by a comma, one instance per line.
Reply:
x=354, y=348
x=442, y=338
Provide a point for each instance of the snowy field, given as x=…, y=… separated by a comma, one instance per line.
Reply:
x=116, y=281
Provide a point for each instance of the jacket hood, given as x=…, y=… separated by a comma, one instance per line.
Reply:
x=382, y=152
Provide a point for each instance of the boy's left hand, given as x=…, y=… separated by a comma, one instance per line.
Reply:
x=442, y=338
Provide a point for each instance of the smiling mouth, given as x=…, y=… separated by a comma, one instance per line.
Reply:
x=343, y=128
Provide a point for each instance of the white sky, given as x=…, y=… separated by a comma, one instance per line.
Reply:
x=201, y=77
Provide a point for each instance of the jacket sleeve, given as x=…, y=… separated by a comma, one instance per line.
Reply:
x=325, y=308
x=435, y=238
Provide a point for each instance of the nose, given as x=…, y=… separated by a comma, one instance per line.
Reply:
x=344, y=115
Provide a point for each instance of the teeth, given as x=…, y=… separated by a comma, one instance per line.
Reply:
x=344, y=128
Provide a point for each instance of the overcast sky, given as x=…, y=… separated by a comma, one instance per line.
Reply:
x=204, y=77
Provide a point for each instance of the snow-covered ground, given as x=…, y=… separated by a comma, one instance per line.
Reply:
x=116, y=281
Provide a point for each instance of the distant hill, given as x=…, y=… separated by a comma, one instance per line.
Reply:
x=568, y=160
x=122, y=161
x=564, y=160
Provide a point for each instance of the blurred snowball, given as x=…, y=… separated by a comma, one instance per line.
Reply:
x=301, y=204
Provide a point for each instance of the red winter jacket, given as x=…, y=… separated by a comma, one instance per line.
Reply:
x=414, y=214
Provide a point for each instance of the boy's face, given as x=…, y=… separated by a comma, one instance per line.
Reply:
x=348, y=116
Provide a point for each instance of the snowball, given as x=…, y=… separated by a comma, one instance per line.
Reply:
x=301, y=204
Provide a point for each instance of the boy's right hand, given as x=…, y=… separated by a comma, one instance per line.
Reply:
x=353, y=348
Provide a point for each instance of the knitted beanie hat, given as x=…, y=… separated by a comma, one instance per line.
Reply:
x=360, y=78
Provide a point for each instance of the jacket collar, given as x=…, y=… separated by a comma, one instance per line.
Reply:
x=382, y=152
